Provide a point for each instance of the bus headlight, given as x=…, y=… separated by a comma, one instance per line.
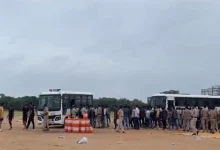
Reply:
x=57, y=118
x=39, y=118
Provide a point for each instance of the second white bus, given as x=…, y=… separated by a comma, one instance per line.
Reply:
x=180, y=100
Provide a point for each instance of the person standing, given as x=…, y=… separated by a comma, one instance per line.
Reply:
x=132, y=113
x=1, y=115
x=186, y=119
x=83, y=111
x=102, y=117
x=212, y=117
x=204, y=118
x=10, y=116
x=46, y=118
x=104, y=124
x=120, y=120
x=174, y=118
x=136, y=118
x=91, y=115
x=193, y=121
x=99, y=116
x=157, y=119
x=126, y=117
x=31, y=115
x=73, y=112
x=216, y=120
x=115, y=117
x=108, y=116
x=148, y=119
x=24, y=115
x=164, y=115
x=142, y=116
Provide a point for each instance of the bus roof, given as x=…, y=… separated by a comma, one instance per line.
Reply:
x=187, y=95
x=66, y=92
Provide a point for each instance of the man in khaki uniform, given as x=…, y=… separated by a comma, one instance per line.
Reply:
x=120, y=120
x=46, y=118
x=195, y=114
x=73, y=112
x=186, y=119
x=99, y=117
x=205, y=118
x=212, y=117
x=84, y=110
x=218, y=120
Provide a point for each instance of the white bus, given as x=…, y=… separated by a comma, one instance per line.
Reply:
x=59, y=102
x=180, y=100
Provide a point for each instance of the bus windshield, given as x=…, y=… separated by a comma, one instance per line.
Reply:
x=158, y=101
x=53, y=102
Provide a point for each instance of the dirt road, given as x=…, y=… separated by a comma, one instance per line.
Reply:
x=102, y=139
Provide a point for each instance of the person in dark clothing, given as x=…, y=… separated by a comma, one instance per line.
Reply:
x=115, y=117
x=10, y=116
x=142, y=116
x=174, y=117
x=164, y=115
x=24, y=115
x=31, y=115
x=153, y=117
x=103, y=119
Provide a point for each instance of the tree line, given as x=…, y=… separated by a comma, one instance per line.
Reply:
x=17, y=102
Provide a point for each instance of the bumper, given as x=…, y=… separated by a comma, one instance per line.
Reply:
x=53, y=120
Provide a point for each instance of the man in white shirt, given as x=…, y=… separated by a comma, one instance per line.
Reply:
x=136, y=118
x=148, y=118
x=46, y=118
x=105, y=118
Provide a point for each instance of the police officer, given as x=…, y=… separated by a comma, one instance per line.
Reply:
x=73, y=112
x=194, y=114
x=99, y=116
x=186, y=119
x=205, y=118
x=212, y=117
x=120, y=120
x=46, y=118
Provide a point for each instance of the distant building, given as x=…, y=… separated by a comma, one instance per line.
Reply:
x=214, y=90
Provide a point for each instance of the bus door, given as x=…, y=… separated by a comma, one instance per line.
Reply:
x=170, y=102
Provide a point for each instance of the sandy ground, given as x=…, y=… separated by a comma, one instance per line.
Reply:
x=107, y=139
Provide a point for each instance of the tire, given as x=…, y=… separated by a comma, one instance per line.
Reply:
x=64, y=122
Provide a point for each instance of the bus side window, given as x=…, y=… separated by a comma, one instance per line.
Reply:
x=90, y=100
x=78, y=101
x=180, y=101
x=193, y=101
x=66, y=103
x=72, y=100
x=218, y=102
x=201, y=102
x=84, y=100
x=206, y=102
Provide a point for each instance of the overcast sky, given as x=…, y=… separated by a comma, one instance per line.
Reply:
x=113, y=48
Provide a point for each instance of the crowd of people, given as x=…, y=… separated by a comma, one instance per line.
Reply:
x=189, y=119
x=28, y=114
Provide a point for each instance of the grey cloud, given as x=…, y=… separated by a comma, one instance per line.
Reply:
x=113, y=48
